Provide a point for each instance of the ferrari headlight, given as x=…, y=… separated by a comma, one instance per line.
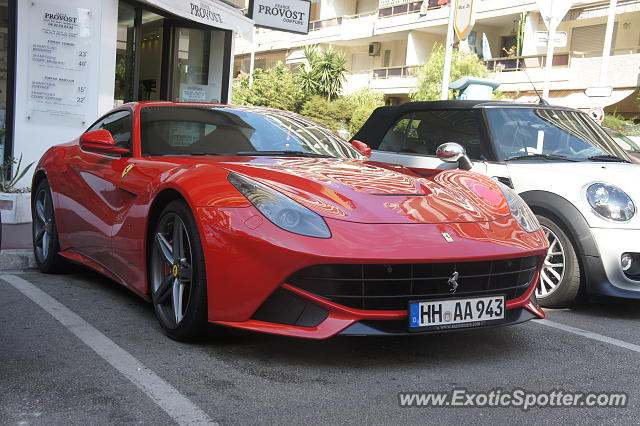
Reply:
x=610, y=202
x=519, y=209
x=281, y=210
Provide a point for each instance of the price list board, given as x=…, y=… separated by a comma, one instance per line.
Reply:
x=59, y=64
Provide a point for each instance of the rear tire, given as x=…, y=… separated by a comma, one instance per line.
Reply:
x=560, y=278
x=177, y=274
x=45, y=231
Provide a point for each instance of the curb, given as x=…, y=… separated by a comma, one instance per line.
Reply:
x=17, y=259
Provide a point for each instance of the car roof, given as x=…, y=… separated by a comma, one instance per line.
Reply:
x=142, y=104
x=382, y=118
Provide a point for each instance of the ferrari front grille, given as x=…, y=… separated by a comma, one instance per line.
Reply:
x=392, y=286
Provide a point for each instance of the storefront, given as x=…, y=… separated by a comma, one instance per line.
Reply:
x=66, y=62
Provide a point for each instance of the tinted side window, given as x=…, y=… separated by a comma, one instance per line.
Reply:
x=119, y=125
x=422, y=132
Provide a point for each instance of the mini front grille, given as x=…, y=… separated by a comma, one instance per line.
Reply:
x=392, y=286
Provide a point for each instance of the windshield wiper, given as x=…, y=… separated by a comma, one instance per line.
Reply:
x=540, y=156
x=284, y=153
x=607, y=157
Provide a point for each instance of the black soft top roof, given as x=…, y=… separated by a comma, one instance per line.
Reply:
x=384, y=117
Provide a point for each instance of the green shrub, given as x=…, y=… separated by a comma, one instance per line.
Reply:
x=616, y=122
x=360, y=106
x=326, y=113
x=430, y=74
x=276, y=87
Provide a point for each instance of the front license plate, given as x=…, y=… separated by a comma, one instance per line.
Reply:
x=455, y=313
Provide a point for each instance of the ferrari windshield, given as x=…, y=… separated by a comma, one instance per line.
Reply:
x=201, y=130
x=542, y=134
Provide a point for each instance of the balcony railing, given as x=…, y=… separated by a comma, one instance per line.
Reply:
x=392, y=72
x=519, y=63
x=332, y=22
x=617, y=51
x=407, y=7
x=325, y=23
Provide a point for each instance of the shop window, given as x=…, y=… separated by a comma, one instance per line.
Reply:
x=167, y=58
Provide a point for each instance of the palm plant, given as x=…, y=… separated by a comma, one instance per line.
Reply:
x=7, y=182
x=324, y=71
x=307, y=71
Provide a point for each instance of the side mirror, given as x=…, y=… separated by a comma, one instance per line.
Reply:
x=452, y=152
x=362, y=147
x=102, y=142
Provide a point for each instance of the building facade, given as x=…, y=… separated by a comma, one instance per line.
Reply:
x=385, y=40
x=63, y=63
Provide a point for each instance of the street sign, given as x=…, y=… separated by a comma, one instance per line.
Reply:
x=597, y=113
x=553, y=10
x=559, y=40
x=598, y=92
x=464, y=19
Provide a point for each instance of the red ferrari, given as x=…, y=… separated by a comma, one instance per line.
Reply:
x=262, y=220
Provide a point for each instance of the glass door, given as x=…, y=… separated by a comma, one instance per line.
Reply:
x=197, y=65
x=125, y=55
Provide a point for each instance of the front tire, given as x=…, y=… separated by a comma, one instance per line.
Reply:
x=560, y=278
x=177, y=277
x=45, y=231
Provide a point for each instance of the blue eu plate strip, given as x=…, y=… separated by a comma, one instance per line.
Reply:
x=414, y=314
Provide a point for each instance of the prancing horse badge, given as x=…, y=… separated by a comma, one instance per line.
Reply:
x=126, y=169
x=448, y=238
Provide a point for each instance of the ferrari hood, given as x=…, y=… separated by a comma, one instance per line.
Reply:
x=370, y=192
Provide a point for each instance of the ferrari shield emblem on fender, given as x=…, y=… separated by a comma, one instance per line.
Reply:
x=126, y=169
x=448, y=238
x=453, y=282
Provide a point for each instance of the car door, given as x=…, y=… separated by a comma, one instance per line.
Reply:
x=413, y=139
x=88, y=195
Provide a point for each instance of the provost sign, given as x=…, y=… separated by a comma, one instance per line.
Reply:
x=282, y=15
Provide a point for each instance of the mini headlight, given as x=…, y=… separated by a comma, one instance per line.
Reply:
x=610, y=202
x=519, y=209
x=281, y=210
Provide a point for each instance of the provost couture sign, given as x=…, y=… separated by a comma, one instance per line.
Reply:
x=282, y=15
x=60, y=64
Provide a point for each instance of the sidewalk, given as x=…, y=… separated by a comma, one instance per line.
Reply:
x=17, y=248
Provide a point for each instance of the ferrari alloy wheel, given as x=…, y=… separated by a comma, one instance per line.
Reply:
x=177, y=278
x=559, y=284
x=45, y=231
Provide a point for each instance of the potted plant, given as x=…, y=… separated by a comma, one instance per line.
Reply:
x=15, y=202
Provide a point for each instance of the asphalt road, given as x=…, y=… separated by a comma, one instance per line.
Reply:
x=53, y=371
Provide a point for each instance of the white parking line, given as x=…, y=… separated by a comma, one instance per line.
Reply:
x=590, y=335
x=176, y=405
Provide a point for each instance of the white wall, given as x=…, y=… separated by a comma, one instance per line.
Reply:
x=32, y=139
x=334, y=8
x=420, y=45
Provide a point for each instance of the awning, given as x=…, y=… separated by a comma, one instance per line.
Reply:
x=208, y=12
x=578, y=100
